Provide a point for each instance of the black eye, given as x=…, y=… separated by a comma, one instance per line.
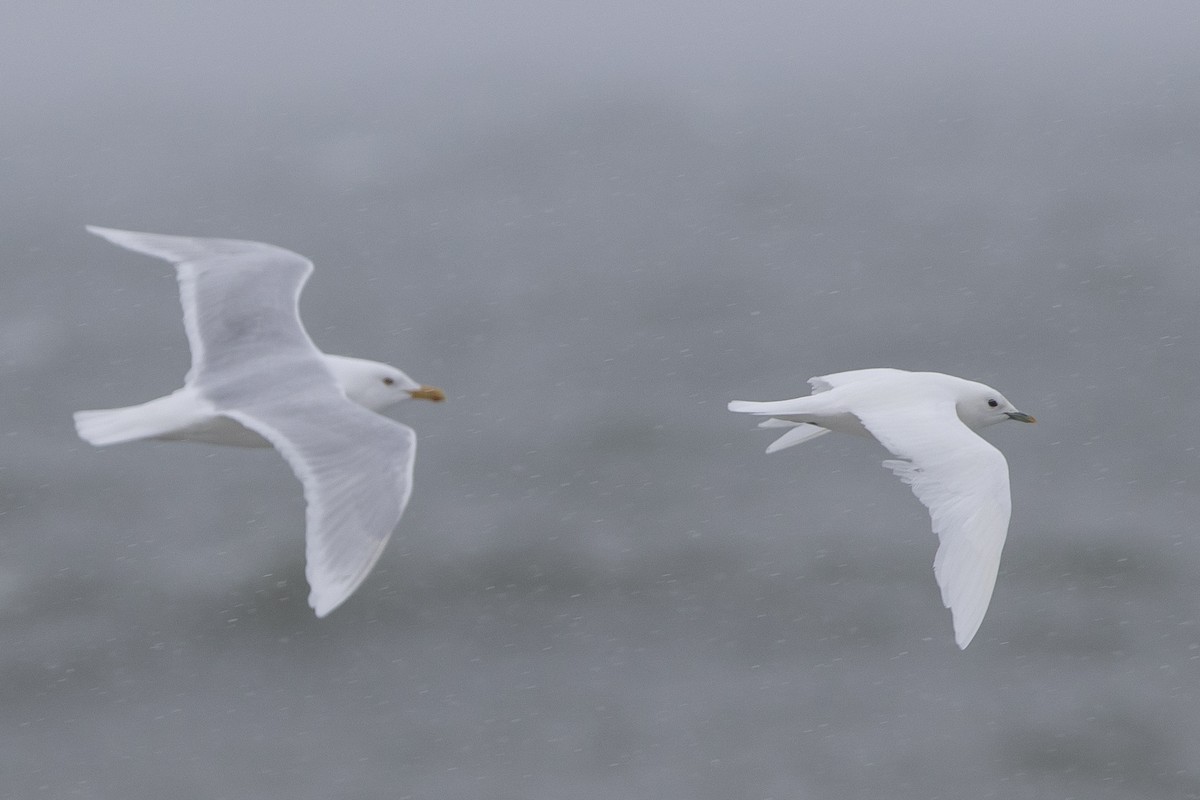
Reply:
x=388, y=381
x=993, y=403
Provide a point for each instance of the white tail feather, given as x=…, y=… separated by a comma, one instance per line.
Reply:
x=115, y=425
x=777, y=408
x=162, y=418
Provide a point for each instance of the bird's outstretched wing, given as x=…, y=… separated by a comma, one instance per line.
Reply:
x=252, y=359
x=239, y=308
x=963, y=481
x=356, y=467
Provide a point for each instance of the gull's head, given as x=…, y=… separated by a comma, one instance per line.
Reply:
x=979, y=406
x=376, y=385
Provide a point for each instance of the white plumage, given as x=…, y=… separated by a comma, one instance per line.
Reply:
x=257, y=380
x=927, y=420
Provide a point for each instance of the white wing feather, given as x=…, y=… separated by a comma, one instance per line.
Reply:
x=356, y=494
x=800, y=432
x=963, y=481
x=825, y=383
x=240, y=306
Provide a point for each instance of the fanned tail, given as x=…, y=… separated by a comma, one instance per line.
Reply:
x=115, y=425
x=162, y=418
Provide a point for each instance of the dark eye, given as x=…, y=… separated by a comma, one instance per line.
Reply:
x=390, y=381
x=993, y=403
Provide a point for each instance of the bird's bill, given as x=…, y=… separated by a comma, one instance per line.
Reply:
x=433, y=394
x=1019, y=417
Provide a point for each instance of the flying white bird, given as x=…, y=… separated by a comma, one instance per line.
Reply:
x=257, y=380
x=927, y=420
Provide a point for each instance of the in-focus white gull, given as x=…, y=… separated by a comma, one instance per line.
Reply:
x=257, y=380
x=927, y=420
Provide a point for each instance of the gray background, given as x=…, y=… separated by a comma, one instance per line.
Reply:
x=594, y=225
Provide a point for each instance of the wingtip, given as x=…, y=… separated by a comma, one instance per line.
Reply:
x=322, y=605
x=325, y=597
x=115, y=235
x=964, y=629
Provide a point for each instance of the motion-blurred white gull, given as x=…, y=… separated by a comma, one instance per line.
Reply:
x=927, y=420
x=257, y=380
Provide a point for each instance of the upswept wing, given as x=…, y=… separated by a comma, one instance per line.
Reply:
x=239, y=308
x=963, y=481
x=355, y=492
x=824, y=383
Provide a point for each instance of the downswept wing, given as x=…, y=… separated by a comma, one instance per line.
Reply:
x=963, y=481
x=355, y=492
x=240, y=307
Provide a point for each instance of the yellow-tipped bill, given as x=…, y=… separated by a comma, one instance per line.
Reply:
x=428, y=393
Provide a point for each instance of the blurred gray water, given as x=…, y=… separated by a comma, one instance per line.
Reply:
x=593, y=227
